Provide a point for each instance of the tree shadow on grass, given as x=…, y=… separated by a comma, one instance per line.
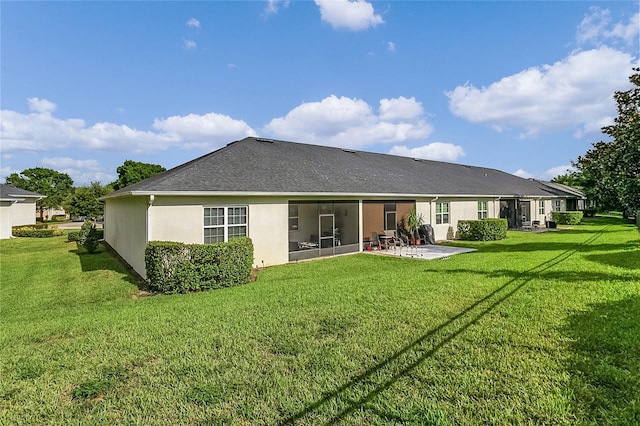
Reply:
x=357, y=393
x=629, y=259
x=566, y=276
x=605, y=362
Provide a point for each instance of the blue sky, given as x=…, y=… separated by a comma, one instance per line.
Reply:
x=523, y=87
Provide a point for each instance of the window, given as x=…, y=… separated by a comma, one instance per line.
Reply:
x=442, y=213
x=223, y=223
x=541, y=208
x=293, y=217
x=390, y=216
x=482, y=209
x=556, y=205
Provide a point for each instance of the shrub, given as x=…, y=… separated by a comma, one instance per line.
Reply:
x=180, y=268
x=88, y=237
x=57, y=217
x=36, y=231
x=73, y=236
x=566, y=218
x=589, y=212
x=482, y=230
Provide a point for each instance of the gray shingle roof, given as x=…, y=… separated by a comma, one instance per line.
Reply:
x=11, y=192
x=254, y=165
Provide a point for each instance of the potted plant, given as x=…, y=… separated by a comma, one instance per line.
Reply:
x=414, y=222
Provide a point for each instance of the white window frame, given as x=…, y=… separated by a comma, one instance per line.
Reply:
x=229, y=222
x=443, y=217
x=541, y=208
x=557, y=205
x=483, y=210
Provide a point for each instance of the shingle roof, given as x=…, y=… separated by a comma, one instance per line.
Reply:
x=254, y=165
x=564, y=189
x=11, y=192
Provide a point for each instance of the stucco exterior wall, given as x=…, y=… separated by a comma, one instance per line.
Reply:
x=5, y=220
x=125, y=229
x=182, y=219
x=458, y=210
x=23, y=213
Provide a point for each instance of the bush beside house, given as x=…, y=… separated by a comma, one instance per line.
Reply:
x=36, y=231
x=567, y=218
x=180, y=268
x=482, y=230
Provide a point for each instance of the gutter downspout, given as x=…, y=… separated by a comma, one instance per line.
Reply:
x=148, y=218
x=432, y=213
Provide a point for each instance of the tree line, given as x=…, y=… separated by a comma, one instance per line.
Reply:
x=82, y=200
x=609, y=173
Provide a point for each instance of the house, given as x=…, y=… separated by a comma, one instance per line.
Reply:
x=569, y=199
x=17, y=207
x=298, y=201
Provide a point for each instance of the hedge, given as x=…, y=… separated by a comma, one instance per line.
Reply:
x=566, y=218
x=74, y=236
x=180, y=268
x=482, y=230
x=32, y=231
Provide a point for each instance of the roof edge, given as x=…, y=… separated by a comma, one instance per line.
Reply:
x=312, y=194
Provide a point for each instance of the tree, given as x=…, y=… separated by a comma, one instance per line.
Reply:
x=611, y=170
x=55, y=185
x=134, y=171
x=84, y=200
x=572, y=179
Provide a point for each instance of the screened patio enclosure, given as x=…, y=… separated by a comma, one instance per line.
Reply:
x=322, y=228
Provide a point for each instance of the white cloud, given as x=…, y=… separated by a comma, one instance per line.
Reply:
x=391, y=46
x=572, y=93
x=400, y=108
x=547, y=174
x=523, y=174
x=6, y=171
x=434, y=151
x=41, y=105
x=354, y=15
x=348, y=122
x=190, y=44
x=204, y=131
x=273, y=6
x=597, y=28
x=66, y=163
x=44, y=132
x=81, y=171
x=556, y=171
x=193, y=23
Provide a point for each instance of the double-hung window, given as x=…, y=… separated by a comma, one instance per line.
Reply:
x=223, y=223
x=541, y=208
x=442, y=213
x=482, y=209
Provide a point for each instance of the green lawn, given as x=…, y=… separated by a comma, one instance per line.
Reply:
x=535, y=329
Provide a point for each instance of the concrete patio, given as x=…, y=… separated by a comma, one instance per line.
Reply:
x=426, y=252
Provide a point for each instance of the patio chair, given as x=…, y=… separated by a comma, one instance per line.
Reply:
x=375, y=240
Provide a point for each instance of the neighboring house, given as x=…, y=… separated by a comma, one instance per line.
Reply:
x=50, y=212
x=17, y=207
x=570, y=199
x=298, y=201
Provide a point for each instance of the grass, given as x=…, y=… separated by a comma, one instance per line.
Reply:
x=534, y=329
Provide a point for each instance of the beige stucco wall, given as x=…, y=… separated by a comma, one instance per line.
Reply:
x=459, y=209
x=23, y=213
x=182, y=219
x=5, y=220
x=125, y=229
